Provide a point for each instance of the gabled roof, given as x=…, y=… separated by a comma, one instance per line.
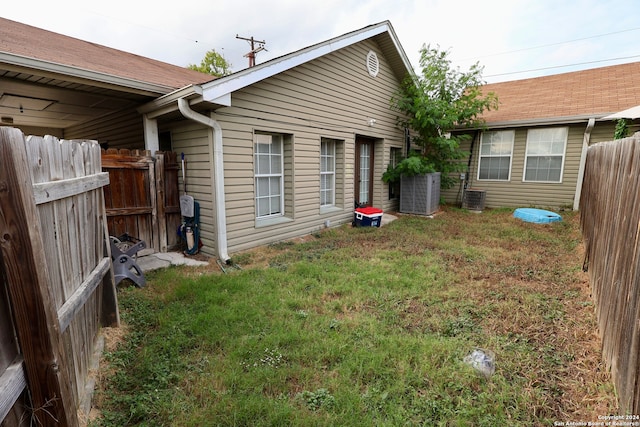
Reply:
x=29, y=47
x=567, y=97
x=219, y=91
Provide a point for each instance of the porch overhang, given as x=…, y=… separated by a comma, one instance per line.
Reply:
x=168, y=103
x=630, y=113
x=79, y=75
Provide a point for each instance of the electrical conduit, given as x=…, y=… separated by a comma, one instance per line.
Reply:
x=218, y=171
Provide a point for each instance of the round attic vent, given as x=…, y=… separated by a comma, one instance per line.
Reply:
x=373, y=66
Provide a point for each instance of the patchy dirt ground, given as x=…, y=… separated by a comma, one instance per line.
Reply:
x=528, y=276
x=504, y=272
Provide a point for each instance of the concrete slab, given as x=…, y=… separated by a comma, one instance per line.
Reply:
x=162, y=260
x=387, y=218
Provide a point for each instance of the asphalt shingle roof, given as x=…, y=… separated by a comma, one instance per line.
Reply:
x=35, y=43
x=594, y=92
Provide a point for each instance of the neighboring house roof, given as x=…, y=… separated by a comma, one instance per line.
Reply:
x=567, y=97
x=219, y=91
x=25, y=46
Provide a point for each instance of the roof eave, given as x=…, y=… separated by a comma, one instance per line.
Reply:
x=407, y=68
x=632, y=113
x=221, y=89
x=543, y=121
x=81, y=75
x=169, y=102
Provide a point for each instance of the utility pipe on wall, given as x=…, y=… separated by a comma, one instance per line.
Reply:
x=218, y=171
x=583, y=159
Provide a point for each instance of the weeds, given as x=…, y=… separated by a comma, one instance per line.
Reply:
x=318, y=399
x=360, y=327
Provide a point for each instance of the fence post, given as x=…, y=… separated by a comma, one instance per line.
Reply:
x=153, y=195
x=36, y=320
x=160, y=200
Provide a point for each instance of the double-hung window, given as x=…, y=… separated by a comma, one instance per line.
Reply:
x=268, y=174
x=327, y=172
x=496, y=151
x=544, y=159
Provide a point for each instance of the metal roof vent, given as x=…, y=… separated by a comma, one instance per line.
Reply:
x=373, y=65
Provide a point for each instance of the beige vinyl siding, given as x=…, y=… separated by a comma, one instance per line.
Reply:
x=41, y=131
x=122, y=129
x=602, y=132
x=454, y=195
x=518, y=193
x=331, y=97
x=195, y=141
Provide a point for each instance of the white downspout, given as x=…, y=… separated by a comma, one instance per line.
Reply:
x=583, y=160
x=218, y=171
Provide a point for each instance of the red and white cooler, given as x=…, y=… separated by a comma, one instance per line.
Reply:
x=367, y=217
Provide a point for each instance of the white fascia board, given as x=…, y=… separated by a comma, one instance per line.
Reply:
x=223, y=87
x=135, y=86
x=401, y=52
x=224, y=100
x=169, y=102
x=550, y=121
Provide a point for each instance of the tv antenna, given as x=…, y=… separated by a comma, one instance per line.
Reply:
x=252, y=54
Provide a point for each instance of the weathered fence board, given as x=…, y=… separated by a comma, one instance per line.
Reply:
x=57, y=263
x=12, y=376
x=25, y=265
x=610, y=223
x=142, y=198
x=12, y=382
x=169, y=214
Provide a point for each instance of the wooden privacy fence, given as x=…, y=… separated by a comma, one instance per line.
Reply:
x=56, y=277
x=610, y=223
x=142, y=199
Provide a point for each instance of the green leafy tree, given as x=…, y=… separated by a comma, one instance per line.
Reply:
x=433, y=104
x=213, y=63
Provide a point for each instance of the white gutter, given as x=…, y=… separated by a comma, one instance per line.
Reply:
x=218, y=171
x=583, y=160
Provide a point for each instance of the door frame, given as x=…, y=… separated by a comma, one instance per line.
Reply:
x=361, y=141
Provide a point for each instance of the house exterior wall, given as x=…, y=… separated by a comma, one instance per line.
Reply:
x=195, y=142
x=122, y=129
x=41, y=131
x=518, y=193
x=330, y=97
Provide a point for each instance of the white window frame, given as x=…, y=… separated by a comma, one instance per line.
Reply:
x=264, y=139
x=536, y=136
x=327, y=157
x=492, y=155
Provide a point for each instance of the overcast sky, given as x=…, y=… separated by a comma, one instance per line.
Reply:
x=512, y=39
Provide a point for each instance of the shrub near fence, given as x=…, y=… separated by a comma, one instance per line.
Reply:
x=610, y=223
x=56, y=276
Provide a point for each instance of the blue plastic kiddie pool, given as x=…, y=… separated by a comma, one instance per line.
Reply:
x=539, y=216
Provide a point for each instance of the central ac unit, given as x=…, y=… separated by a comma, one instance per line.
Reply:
x=420, y=194
x=474, y=199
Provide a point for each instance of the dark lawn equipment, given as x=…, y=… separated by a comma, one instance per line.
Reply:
x=189, y=230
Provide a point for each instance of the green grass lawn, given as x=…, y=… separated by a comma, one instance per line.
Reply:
x=367, y=327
